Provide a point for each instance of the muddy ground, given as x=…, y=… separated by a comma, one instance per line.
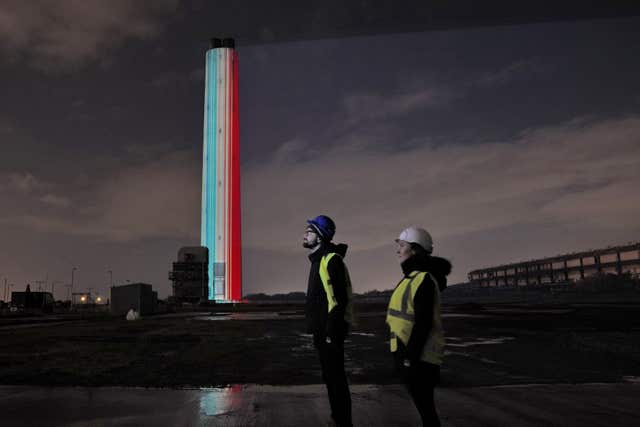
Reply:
x=486, y=345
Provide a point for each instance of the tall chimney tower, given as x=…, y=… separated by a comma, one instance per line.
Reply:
x=220, y=223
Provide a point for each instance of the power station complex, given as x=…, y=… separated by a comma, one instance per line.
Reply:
x=562, y=268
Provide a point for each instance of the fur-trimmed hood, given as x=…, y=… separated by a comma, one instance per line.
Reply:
x=440, y=268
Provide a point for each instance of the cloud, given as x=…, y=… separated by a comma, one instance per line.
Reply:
x=178, y=77
x=579, y=175
x=24, y=182
x=67, y=33
x=159, y=199
x=156, y=199
x=197, y=75
x=172, y=78
x=580, y=172
x=6, y=127
x=150, y=152
x=519, y=70
x=56, y=201
x=367, y=107
x=295, y=150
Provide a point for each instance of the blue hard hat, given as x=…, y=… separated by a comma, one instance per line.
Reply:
x=324, y=225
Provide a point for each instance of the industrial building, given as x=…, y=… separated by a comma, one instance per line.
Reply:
x=32, y=301
x=190, y=276
x=137, y=296
x=562, y=268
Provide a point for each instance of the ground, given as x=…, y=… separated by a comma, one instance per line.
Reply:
x=494, y=344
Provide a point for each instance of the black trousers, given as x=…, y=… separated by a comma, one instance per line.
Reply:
x=332, y=362
x=420, y=379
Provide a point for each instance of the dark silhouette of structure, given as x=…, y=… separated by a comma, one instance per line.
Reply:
x=562, y=268
x=190, y=275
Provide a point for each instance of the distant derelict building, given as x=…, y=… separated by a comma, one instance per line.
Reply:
x=190, y=276
x=562, y=268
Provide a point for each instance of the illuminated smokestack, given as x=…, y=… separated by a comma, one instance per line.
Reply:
x=220, y=223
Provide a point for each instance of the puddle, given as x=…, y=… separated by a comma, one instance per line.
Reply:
x=477, y=341
x=250, y=316
x=220, y=401
x=263, y=337
x=462, y=315
x=307, y=344
x=456, y=353
x=363, y=334
x=529, y=310
x=32, y=325
x=303, y=347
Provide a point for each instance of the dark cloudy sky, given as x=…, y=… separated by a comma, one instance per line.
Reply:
x=506, y=143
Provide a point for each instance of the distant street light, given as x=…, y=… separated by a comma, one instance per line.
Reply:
x=72, y=271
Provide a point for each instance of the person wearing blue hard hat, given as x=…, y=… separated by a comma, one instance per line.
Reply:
x=328, y=311
x=324, y=226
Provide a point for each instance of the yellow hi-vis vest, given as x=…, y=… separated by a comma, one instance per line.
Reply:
x=328, y=288
x=401, y=317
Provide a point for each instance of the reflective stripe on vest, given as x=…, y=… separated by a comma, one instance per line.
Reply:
x=328, y=287
x=401, y=317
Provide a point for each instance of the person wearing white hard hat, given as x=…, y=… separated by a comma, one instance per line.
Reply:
x=413, y=316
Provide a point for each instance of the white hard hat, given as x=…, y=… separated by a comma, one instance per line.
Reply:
x=417, y=235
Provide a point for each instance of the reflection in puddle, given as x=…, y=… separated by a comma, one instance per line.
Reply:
x=220, y=401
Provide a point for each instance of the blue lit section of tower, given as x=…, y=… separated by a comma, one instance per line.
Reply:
x=208, y=221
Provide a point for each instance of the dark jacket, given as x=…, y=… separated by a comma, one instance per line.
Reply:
x=423, y=301
x=319, y=321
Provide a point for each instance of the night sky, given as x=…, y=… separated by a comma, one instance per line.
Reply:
x=506, y=143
